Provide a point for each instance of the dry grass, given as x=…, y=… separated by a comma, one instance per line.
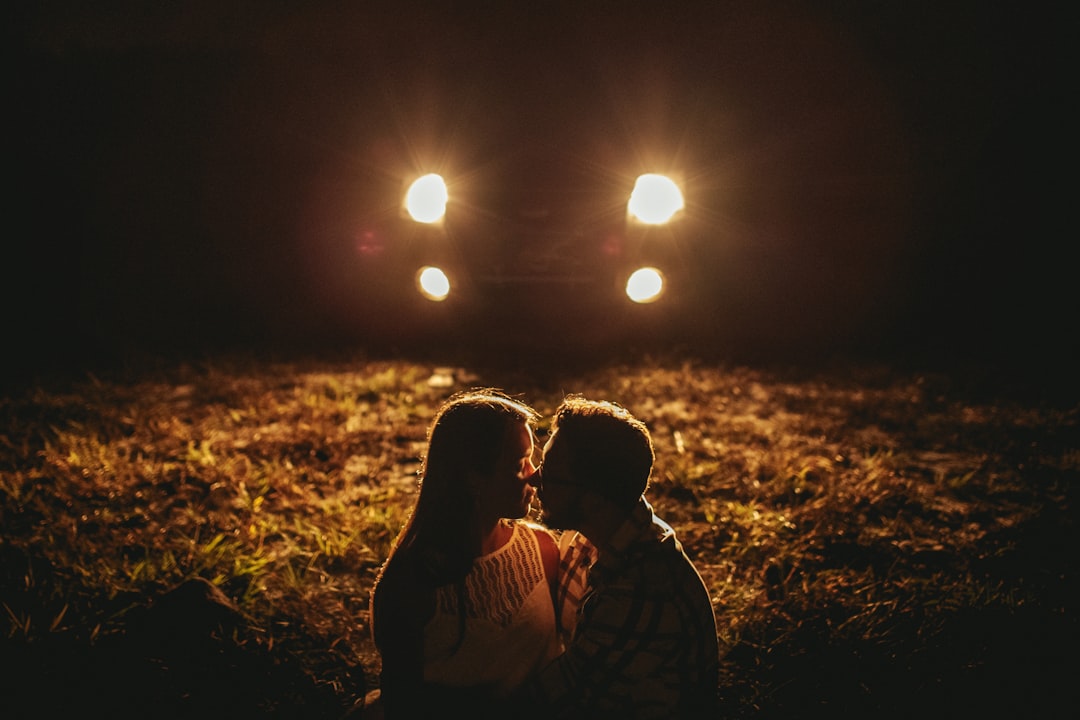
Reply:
x=875, y=542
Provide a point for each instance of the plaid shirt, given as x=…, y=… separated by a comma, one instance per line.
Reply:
x=642, y=634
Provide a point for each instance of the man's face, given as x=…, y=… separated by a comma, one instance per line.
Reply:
x=559, y=491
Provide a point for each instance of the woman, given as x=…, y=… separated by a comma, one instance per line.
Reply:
x=463, y=609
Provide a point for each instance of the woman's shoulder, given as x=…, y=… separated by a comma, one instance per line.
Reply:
x=409, y=568
x=548, y=541
x=537, y=528
x=404, y=580
x=543, y=534
x=402, y=593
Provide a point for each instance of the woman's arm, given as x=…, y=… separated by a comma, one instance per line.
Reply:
x=402, y=604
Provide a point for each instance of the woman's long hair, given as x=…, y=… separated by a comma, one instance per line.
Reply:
x=467, y=437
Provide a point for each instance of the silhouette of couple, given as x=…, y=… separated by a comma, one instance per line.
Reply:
x=597, y=612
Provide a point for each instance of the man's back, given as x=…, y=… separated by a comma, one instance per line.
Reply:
x=645, y=642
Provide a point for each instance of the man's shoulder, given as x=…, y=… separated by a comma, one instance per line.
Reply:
x=573, y=540
x=660, y=565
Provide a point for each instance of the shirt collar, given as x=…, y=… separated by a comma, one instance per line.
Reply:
x=641, y=526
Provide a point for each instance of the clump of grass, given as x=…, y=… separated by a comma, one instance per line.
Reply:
x=863, y=536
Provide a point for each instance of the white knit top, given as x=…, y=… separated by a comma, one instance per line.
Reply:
x=509, y=620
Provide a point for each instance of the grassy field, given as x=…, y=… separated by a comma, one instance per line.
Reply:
x=877, y=543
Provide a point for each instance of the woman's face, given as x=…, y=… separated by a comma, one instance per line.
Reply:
x=508, y=492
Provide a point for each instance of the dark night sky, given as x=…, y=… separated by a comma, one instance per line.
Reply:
x=881, y=175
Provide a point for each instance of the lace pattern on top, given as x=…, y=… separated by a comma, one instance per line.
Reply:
x=499, y=582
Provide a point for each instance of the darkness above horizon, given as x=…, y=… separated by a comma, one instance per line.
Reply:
x=881, y=178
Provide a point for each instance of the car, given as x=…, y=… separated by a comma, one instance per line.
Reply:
x=539, y=232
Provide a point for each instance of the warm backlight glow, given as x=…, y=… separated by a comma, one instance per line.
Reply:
x=655, y=199
x=433, y=283
x=645, y=285
x=426, y=199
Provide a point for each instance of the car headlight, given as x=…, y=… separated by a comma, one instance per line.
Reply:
x=655, y=199
x=426, y=199
x=432, y=283
x=645, y=285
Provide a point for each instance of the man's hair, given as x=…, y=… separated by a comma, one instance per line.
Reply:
x=609, y=450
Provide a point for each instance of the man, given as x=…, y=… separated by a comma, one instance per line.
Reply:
x=644, y=642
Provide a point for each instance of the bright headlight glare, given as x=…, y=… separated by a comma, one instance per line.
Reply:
x=645, y=285
x=433, y=283
x=655, y=199
x=426, y=198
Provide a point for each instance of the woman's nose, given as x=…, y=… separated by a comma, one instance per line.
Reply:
x=529, y=471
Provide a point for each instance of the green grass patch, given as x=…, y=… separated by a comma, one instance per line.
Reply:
x=873, y=541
